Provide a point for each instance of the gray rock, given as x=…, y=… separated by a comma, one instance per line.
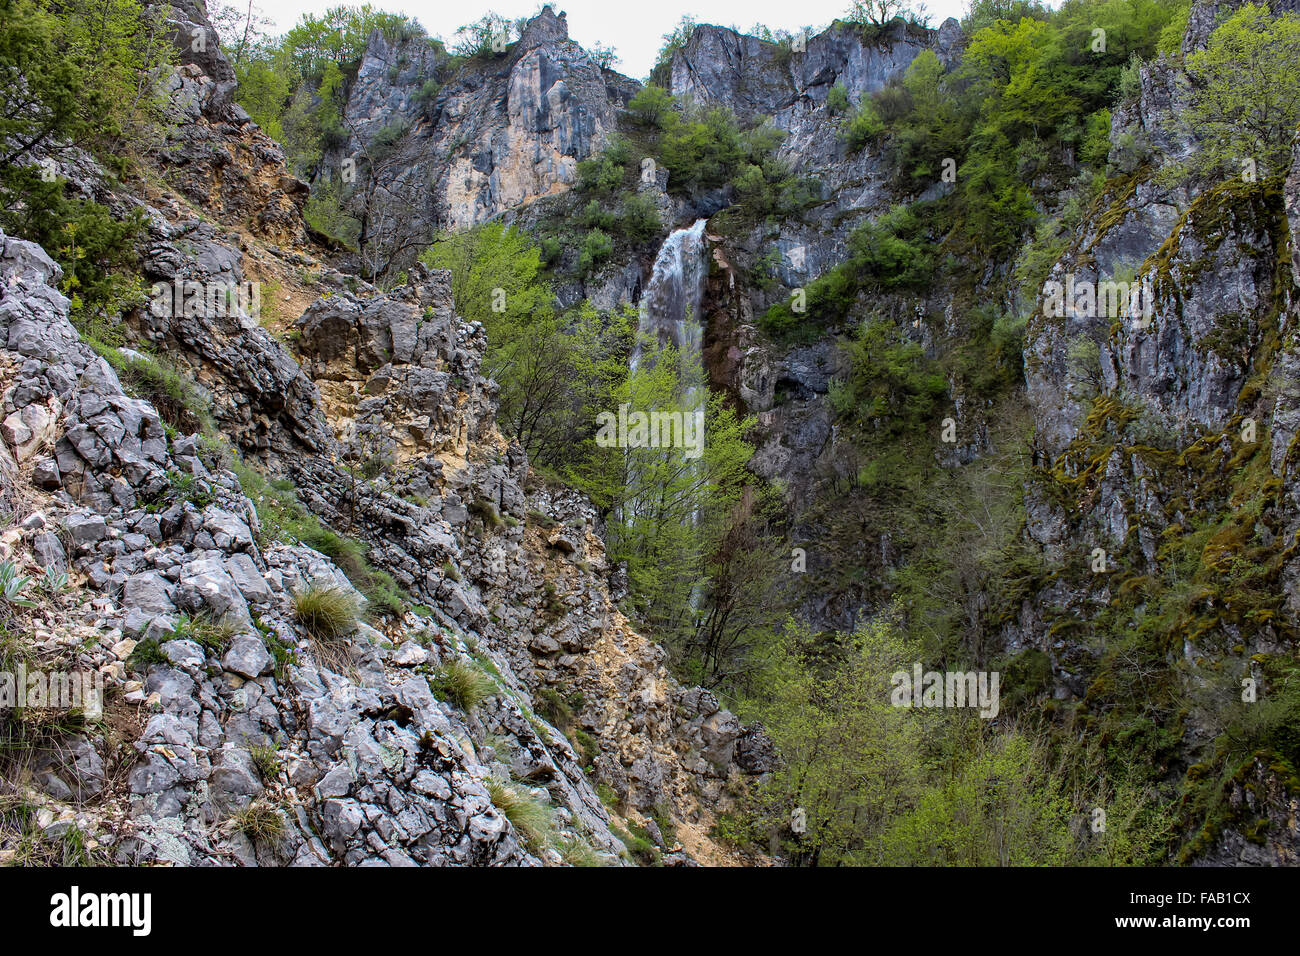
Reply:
x=248, y=657
x=149, y=592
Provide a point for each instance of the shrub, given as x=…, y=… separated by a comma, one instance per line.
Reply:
x=428, y=95
x=462, y=684
x=602, y=173
x=551, y=250
x=864, y=127
x=837, y=100
x=641, y=217
x=596, y=248
x=327, y=613
x=701, y=151
x=595, y=216
x=651, y=106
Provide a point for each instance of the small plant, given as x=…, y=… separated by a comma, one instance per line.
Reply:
x=554, y=708
x=637, y=840
x=488, y=512
x=543, y=519
x=555, y=605
x=576, y=851
x=208, y=632
x=328, y=613
x=462, y=684
x=384, y=596
x=528, y=815
x=54, y=581
x=283, y=654
x=145, y=653
x=266, y=758
x=259, y=821
x=664, y=821
x=188, y=488
x=28, y=845
x=12, y=585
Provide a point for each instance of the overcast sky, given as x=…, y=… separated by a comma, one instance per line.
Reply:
x=634, y=28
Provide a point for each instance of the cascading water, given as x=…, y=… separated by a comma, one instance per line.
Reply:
x=670, y=317
x=670, y=306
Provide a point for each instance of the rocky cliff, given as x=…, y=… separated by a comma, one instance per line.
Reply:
x=492, y=135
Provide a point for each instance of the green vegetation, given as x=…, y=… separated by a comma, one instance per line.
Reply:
x=529, y=816
x=283, y=518
x=1245, y=95
x=928, y=787
x=25, y=842
x=79, y=74
x=328, y=613
x=210, y=633
x=267, y=760
x=462, y=684
x=260, y=822
x=892, y=254
x=555, y=370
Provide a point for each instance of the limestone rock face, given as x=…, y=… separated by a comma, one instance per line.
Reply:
x=219, y=158
x=500, y=134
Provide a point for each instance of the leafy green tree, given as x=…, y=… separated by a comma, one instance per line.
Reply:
x=489, y=258
x=1245, y=100
x=651, y=106
x=656, y=496
x=597, y=246
x=674, y=40
x=555, y=371
x=1000, y=802
x=891, y=387
x=85, y=76
x=850, y=760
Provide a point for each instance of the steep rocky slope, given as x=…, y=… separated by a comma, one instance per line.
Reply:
x=231, y=735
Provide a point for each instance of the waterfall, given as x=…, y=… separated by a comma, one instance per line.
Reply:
x=670, y=307
x=670, y=316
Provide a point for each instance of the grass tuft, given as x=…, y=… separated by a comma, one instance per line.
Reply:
x=259, y=822
x=528, y=815
x=327, y=613
x=461, y=684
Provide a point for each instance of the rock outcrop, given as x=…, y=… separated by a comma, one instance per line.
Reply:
x=502, y=131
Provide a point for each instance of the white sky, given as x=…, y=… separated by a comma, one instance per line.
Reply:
x=634, y=29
